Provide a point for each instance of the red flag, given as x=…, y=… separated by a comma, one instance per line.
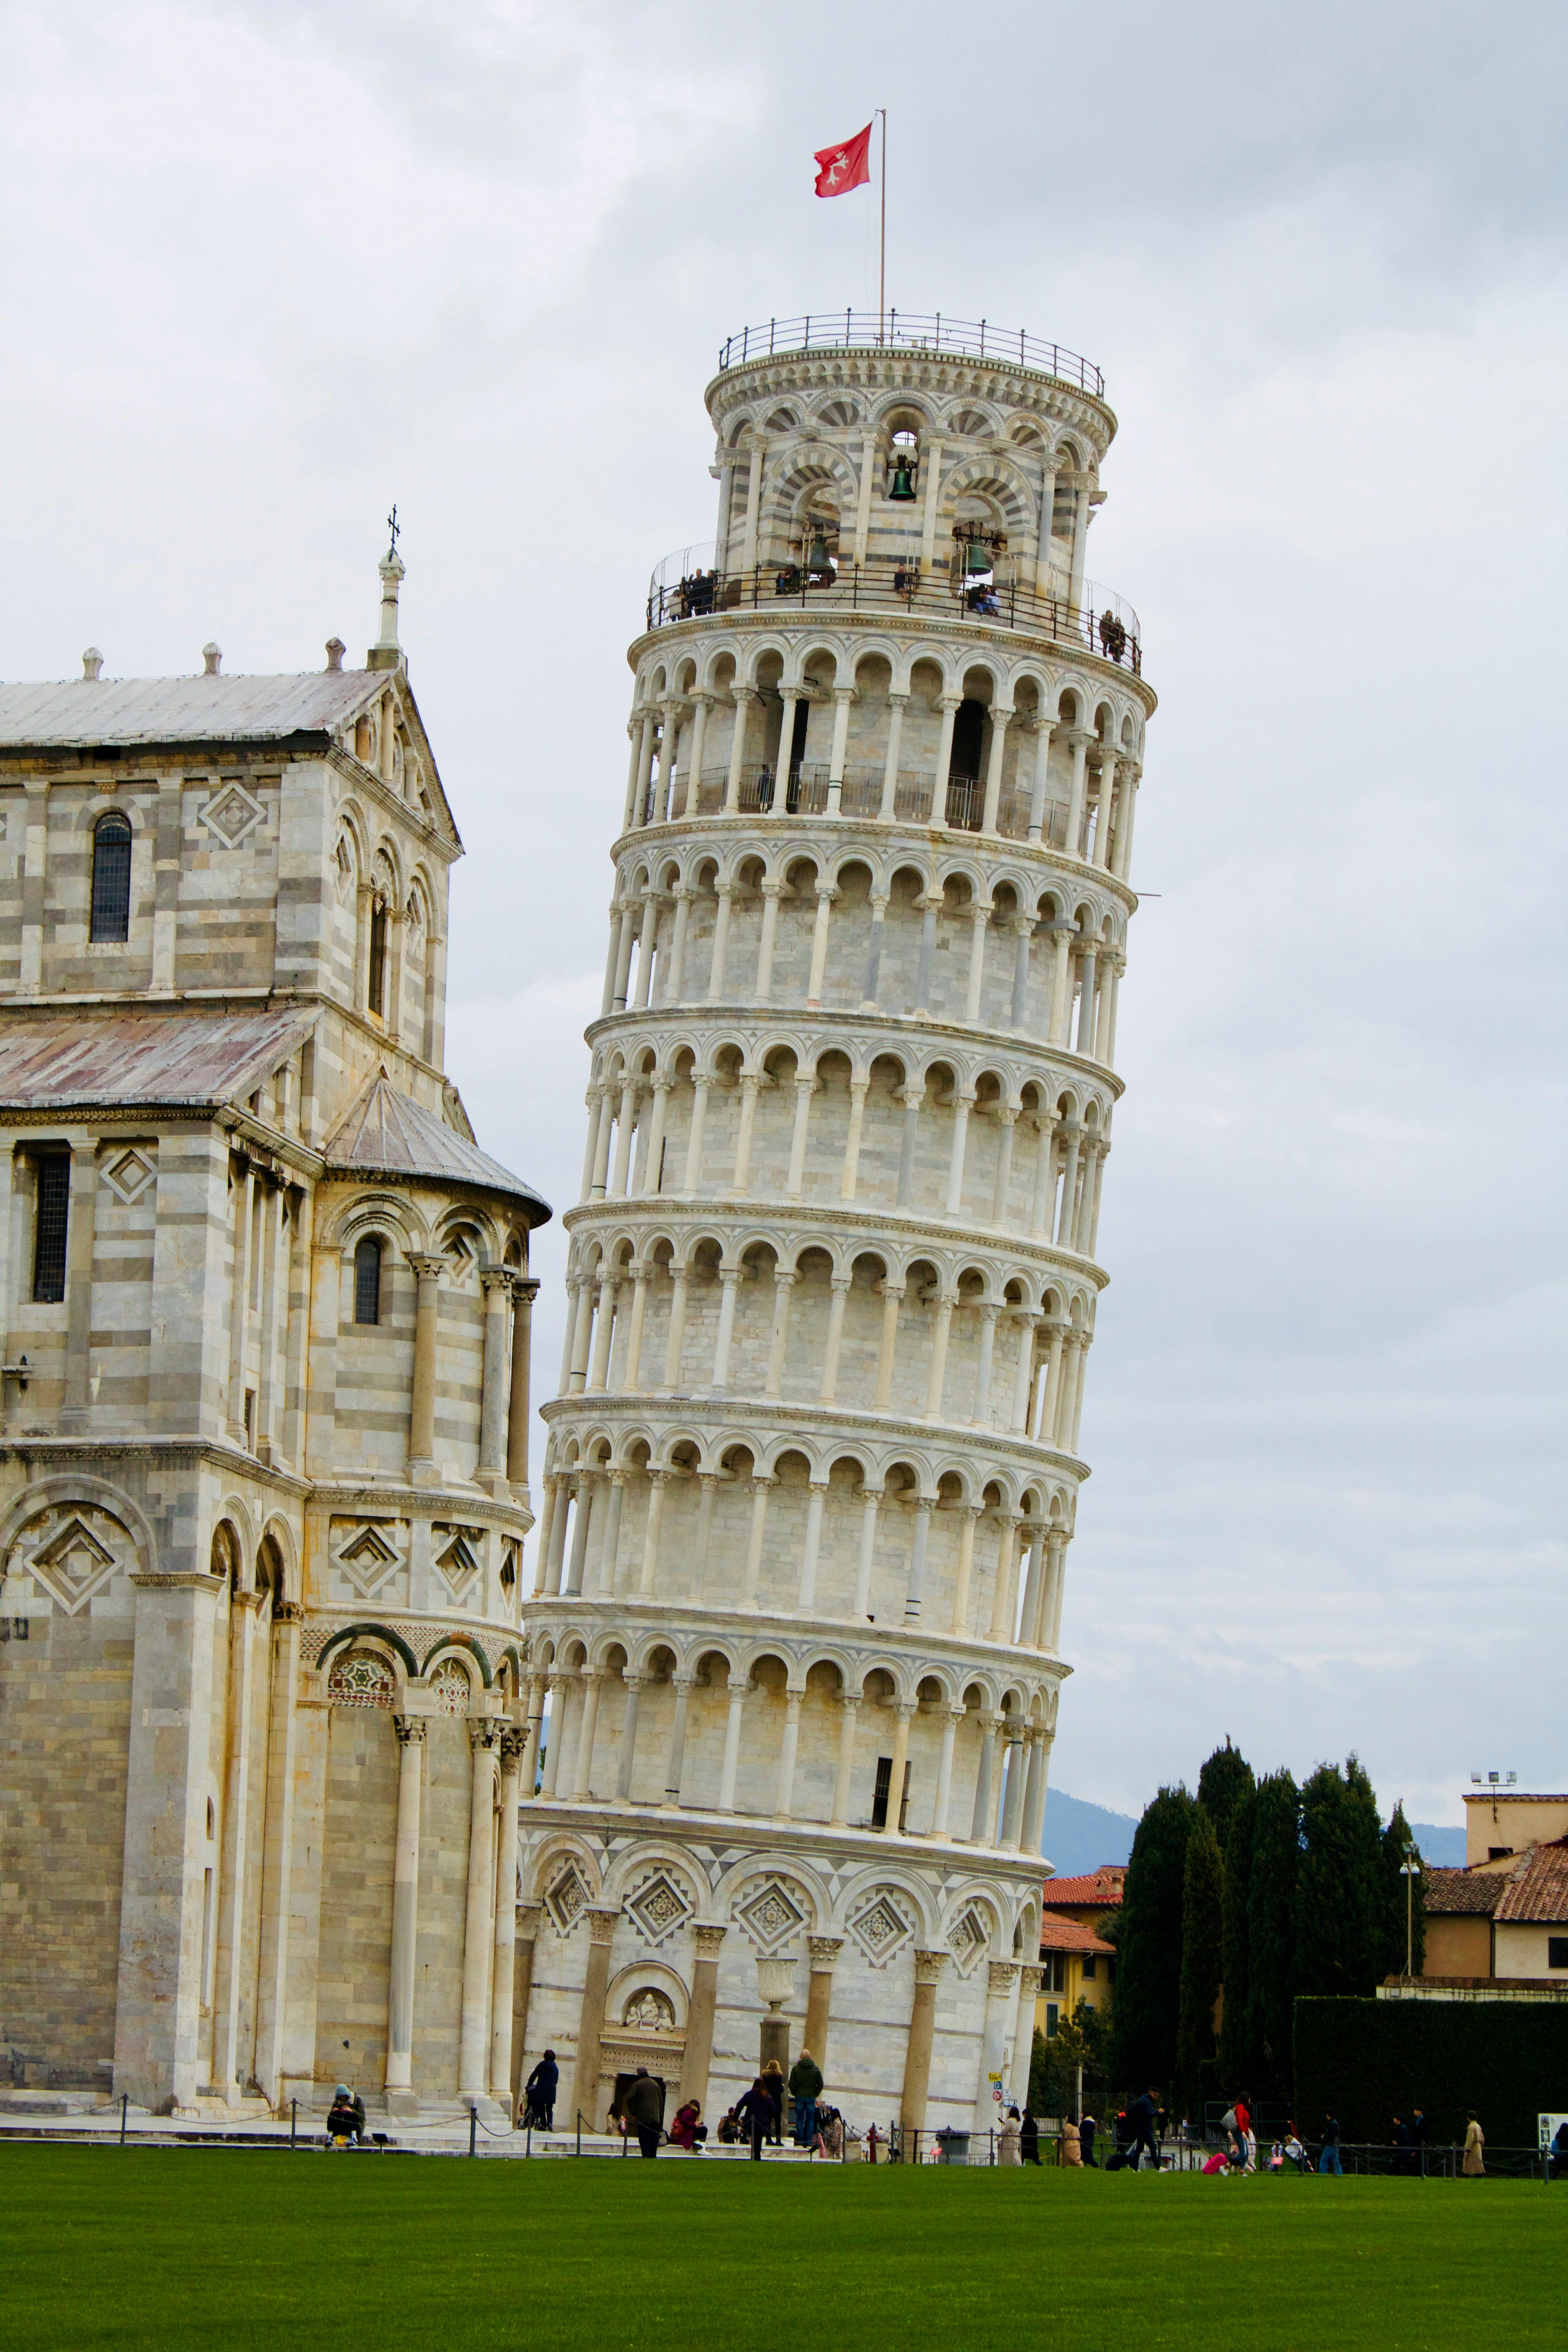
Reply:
x=845, y=166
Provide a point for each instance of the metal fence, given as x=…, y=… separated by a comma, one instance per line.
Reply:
x=910, y=330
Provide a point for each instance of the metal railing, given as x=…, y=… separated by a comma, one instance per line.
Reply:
x=910, y=330
x=1099, y=622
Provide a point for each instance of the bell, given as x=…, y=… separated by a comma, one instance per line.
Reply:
x=903, y=488
x=976, y=559
x=818, y=560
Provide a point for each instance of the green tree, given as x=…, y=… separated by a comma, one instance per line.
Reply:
x=1271, y=1932
x=1224, y=1780
x=1075, y=2054
x=1397, y=1840
x=1340, y=1892
x=1149, y=1943
x=1202, y=1929
x=1238, y=2053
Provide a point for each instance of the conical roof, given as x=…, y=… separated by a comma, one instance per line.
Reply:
x=386, y=1134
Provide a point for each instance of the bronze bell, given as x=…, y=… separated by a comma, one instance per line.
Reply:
x=903, y=488
x=976, y=558
x=818, y=558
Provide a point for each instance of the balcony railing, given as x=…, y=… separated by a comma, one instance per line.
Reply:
x=910, y=331
x=805, y=794
x=685, y=588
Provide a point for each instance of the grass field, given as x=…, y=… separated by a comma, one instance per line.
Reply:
x=172, y=2248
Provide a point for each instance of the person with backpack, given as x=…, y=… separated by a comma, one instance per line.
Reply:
x=805, y=2089
x=538, y=2094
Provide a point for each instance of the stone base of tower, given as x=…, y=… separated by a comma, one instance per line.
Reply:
x=901, y=1967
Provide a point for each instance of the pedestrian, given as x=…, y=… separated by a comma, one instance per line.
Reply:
x=345, y=2118
x=729, y=2132
x=1029, y=2137
x=1475, y=2141
x=1403, y=2146
x=1073, y=2144
x=1087, y=2128
x=1247, y=2136
x=778, y=2090
x=1009, y=2139
x=689, y=2130
x=873, y=2142
x=643, y=2108
x=1142, y=2122
x=538, y=2093
x=1559, y=2154
x=1329, y=2161
x=830, y=2124
x=1418, y=2135
x=805, y=2086
x=756, y=2111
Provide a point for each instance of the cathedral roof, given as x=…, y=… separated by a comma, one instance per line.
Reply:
x=183, y=709
x=387, y=1134
x=74, y=1061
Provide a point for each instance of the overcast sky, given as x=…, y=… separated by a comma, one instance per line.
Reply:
x=267, y=268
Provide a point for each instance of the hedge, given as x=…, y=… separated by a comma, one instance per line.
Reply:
x=1368, y=2061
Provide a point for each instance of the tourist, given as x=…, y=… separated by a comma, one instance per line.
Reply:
x=1559, y=2154
x=804, y=2083
x=1073, y=2144
x=830, y=2125
x=1475, y=2141
x=538, y=2093
x=1008, y=2139
x=1087, y=2128
x=757, y=2111
x=729, y=2132
x=345, y=2118
x=1142, y=2123
x=1418, y=2128
x=689, y=2130
x=1329, y=2161
x=1247, y=2136
x=1294, y=2149
x=773, y=2076
x=643, y=2108
x=873, y=2142
x=1402, y=2146
x=1030, y=2136
x=1219, y=2163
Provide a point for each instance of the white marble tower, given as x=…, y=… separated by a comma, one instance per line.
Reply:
x=811, y=1477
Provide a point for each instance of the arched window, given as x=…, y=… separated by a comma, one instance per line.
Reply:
x=111, y=878
x=376, y=991
x=367, y=1280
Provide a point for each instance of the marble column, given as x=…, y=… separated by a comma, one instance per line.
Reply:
x=411, y=1731
x=823, y=1951
x=528, y=1917
x=1029, y=1976
x=495, y=1283
x=697, y=2059
x=479, y=1926
x=513, y=1741
x=524, y=1291
x=929, y=1966
x=602, y=1918
x=427, y=1270
x=1000, y=1995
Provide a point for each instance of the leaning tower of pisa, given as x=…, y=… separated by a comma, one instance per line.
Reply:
x=812, y=1476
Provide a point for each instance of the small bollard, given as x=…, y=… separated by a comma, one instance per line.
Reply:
x=293, y=2121
x=124, y=2108
x=473, y=2130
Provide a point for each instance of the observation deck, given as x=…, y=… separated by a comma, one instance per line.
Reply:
x=909, y=332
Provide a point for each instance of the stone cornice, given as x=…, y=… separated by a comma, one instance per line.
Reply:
x=1030, y=391
x=193, y=1453
x=766, y=1021
x=855, y=1635
x=688, y=1411
x=814, y=1842
x=847, y=1216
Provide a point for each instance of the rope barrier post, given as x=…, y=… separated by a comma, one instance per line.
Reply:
x=528, y=2143
x=293, y=2121
x=473, y=2127
x=579, y=2131
x=124, y=2110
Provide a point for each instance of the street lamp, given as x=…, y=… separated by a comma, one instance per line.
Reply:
x=1410, y=1869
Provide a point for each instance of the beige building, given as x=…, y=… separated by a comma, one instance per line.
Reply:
x=813, y=1471
x=263, y=1451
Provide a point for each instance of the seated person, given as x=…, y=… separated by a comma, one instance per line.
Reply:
x=688, y=2130
x=730, y=2133
x=345, y=2117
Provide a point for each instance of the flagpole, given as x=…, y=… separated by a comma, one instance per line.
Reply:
x=882, y=249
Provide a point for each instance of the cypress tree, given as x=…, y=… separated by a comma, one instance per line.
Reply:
x=1270, y=1932
x=1225, y=1778
x=1341, y=1899
x=1238, y=2052
x=1395, y=1841
x=1202, y=1929
x=1149, y=1943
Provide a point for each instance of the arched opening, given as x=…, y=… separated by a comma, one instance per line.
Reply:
x=110, y=877
x=368, y=1279
x=376, y=986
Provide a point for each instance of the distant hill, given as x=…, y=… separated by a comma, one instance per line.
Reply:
x=1080, y=1836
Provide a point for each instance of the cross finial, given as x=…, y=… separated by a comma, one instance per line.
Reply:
x=392, y=525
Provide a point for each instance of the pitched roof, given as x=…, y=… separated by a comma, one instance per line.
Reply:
x=1538, y=1888
x=1058, y=1935
x=76, y=1060
x=183, y=709
x=387, y=1134
x=1100, y=1887
x=1477, y=1892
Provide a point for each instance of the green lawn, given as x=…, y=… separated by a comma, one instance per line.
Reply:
x=365, y=2254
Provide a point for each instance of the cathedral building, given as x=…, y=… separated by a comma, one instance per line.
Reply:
x=813, y=1471
x=263, y=1435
